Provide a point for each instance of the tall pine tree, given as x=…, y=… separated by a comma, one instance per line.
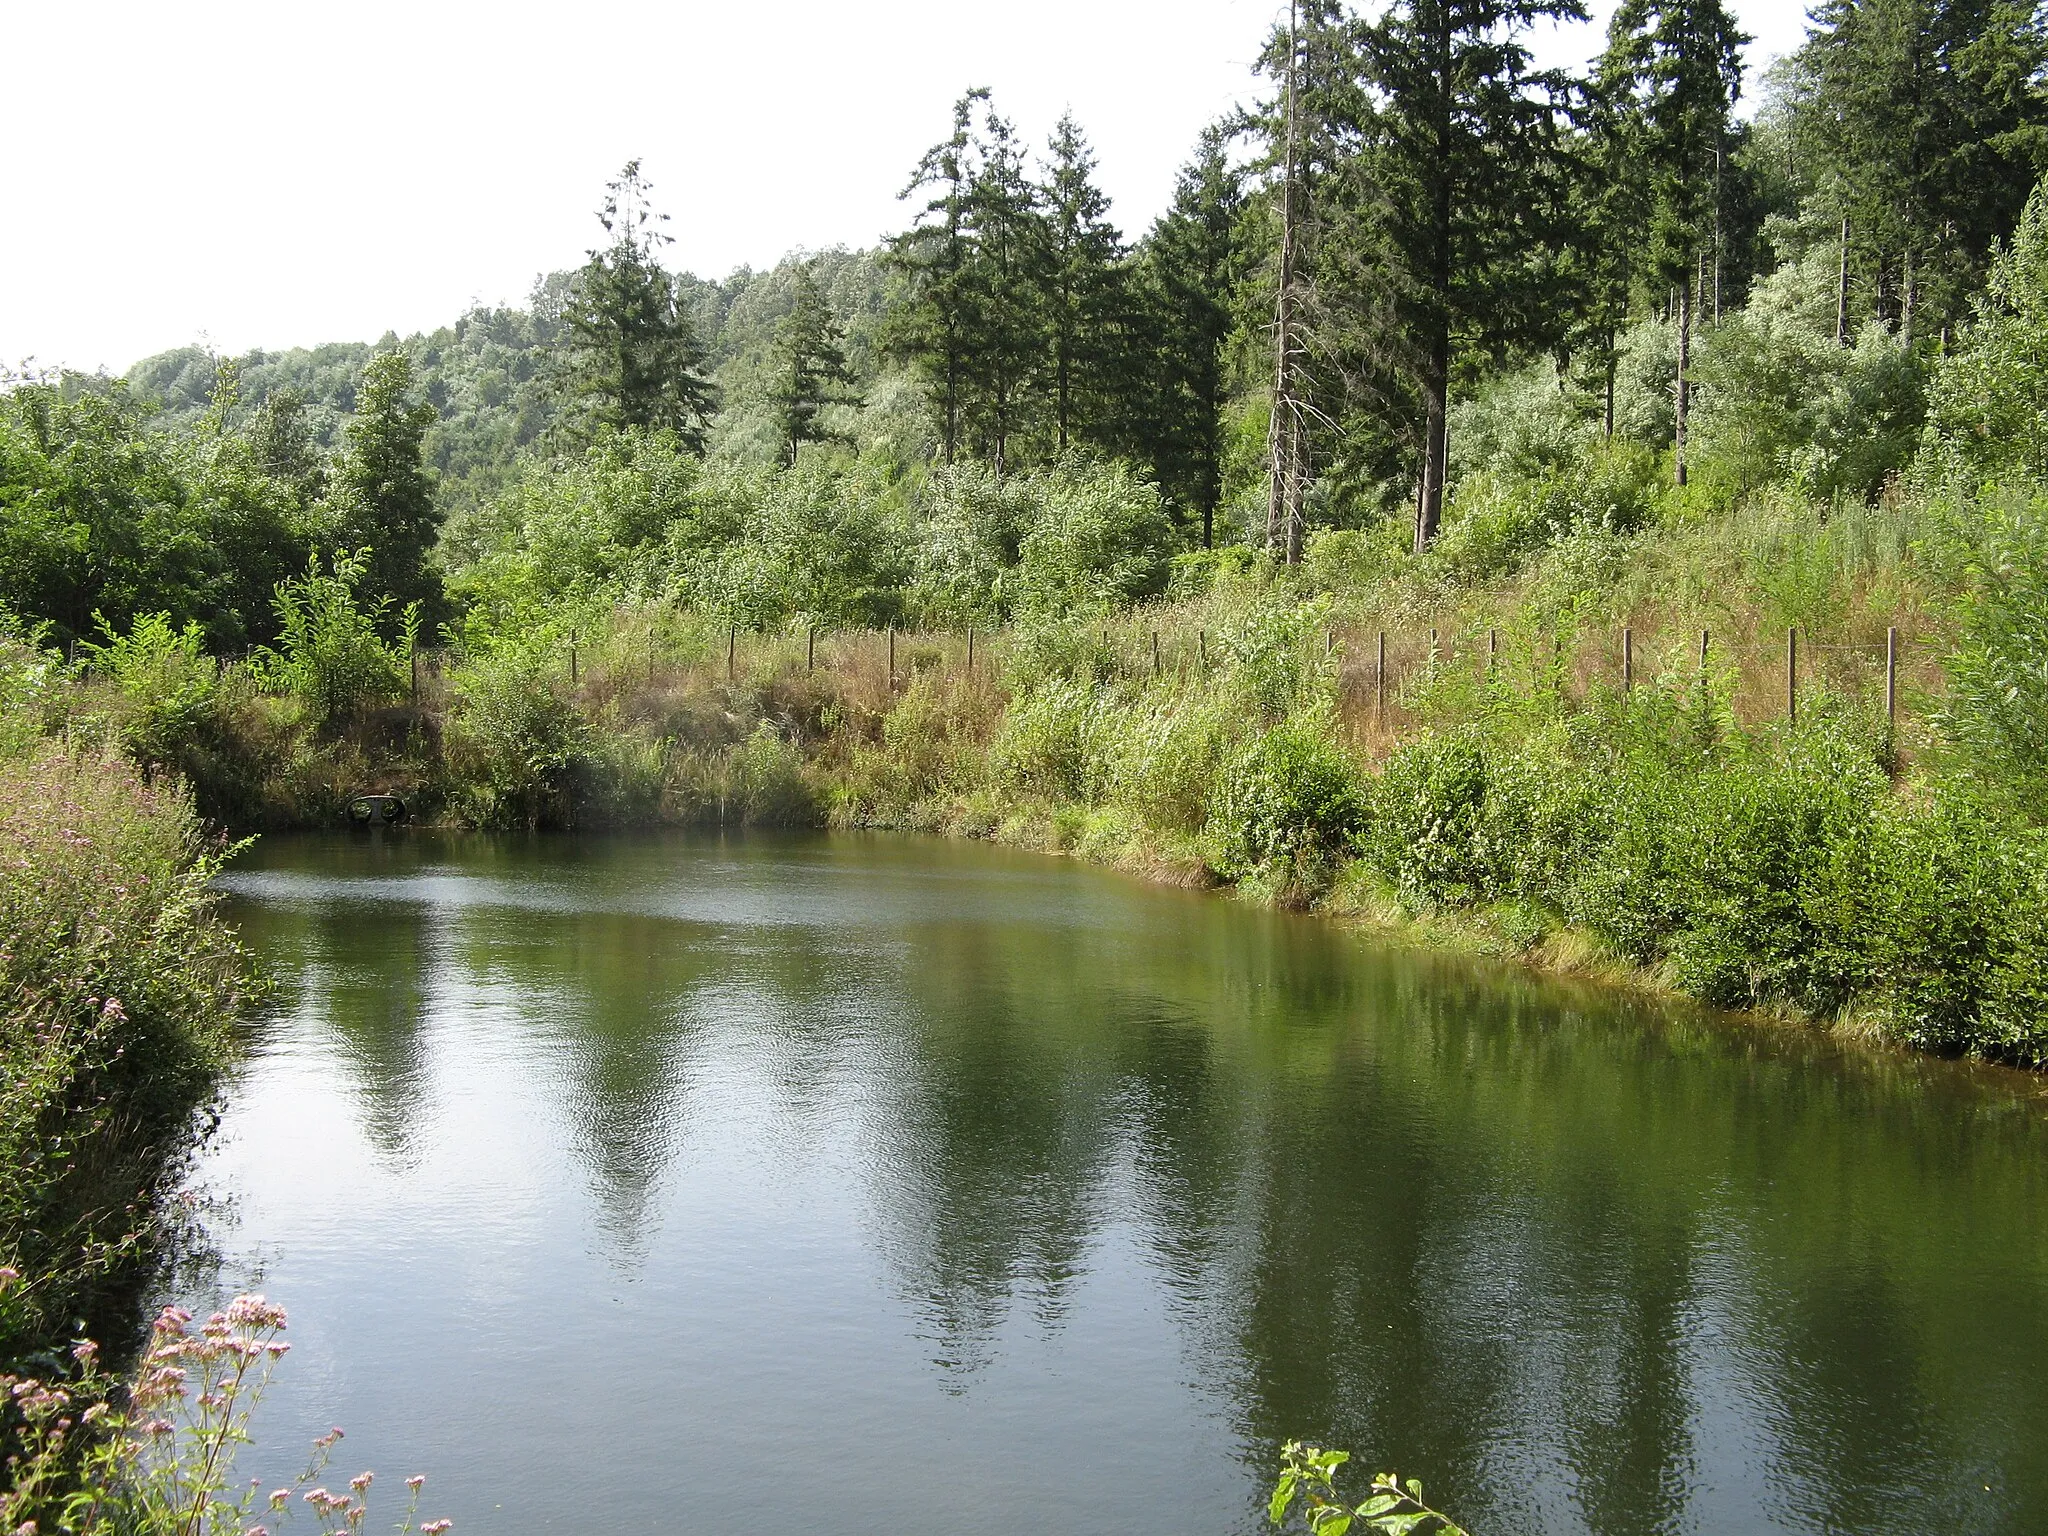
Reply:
x=1673, y=69
x=1081, y=279
x=810, y=367
x=381, y=495
x=631, y=357
x=929, y=322
x=1005, y=310
x=1191, y=269
x=1924, y=126
x=1457, y=180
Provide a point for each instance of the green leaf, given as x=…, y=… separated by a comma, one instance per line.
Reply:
x=1283, y=1495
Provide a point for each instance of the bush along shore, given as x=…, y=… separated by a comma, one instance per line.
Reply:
x=119, y=991
x=1612, y=755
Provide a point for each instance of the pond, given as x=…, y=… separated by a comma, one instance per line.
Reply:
x=893, y=1185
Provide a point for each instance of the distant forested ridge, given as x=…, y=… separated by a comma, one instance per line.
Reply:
x=488, y=376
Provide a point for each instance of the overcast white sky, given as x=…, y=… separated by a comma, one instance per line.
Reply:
x=275, y=173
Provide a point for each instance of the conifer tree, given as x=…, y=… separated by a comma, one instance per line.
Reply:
x=1192, y=261
x=1673, y=68
x=1082, y=282
x=929, y=321
x=381, y=496
x=810, y=367
x=1457, y=182
x=1611, y=225
x=1005, y=311
x=1925, y=126
x=631, y=356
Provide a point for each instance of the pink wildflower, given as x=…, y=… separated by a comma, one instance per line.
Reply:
x=435, y=1527
x=254, y=1312
x=416, y=1482
x=361, y=1481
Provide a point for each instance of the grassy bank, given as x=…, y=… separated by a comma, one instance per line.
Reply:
x=1496, y=781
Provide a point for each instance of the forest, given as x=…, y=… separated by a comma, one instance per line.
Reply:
x=1591, y=516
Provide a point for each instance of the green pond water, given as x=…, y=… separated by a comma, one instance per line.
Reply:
x=886, y=1185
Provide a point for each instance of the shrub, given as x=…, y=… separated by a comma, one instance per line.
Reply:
x=330, y=653
x=516, y=738
x=1497, y=522
x=1163, y=759
x=1102, y=540
x=1429, y=835
x=1274, y=659
x=165, y=683
x=1048, y=743
x=766, y=785
x=119, y=986
x=1288, y=806
x=1998, y=674
x=1987, y=414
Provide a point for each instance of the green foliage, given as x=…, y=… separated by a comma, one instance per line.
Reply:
x=518, y=740
x=164, y=679
x=1049, y=740
x=1307, y=1491
x=330, y=651
x=1274, y=656
x=118, y=990
x=632, y=356
x=1997, y=701
x=1497, y=523
x=575, y=525
x=810, y=367
x=1987, y=414
x=1101, y=541
x=1289, y=806
x=819, y=542
x=380, y=498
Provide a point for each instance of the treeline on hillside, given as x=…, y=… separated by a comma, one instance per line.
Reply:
x=1425, y=287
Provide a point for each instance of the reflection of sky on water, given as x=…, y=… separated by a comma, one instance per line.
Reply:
x=669, y=1181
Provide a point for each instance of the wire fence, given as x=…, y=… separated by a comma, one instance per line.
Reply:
x=1387, y=677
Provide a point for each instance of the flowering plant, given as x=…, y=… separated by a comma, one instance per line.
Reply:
x=91, y=1457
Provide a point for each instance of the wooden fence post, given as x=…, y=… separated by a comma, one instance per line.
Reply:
x=1792, y=676
x=732, y=652
x=1891, y=676
x=970, y=648
x=1492, y=649
x=1202, y=648
x=1155, y=653
x=1628, y=659
x=1379, y=683
x=811, y=649
x=892, y=658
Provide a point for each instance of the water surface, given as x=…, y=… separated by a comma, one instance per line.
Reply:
x=896, y=1186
